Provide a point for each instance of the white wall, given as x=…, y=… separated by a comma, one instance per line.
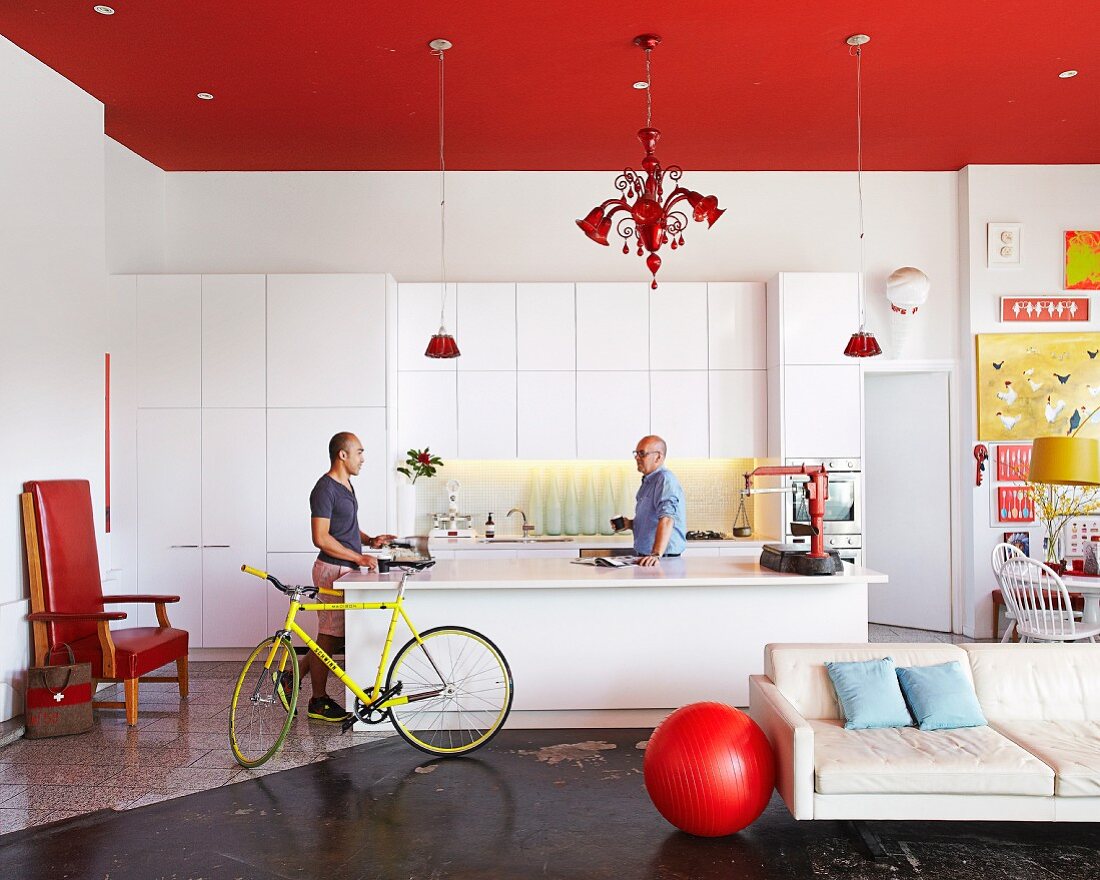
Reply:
x=135, y=211
x=53, y=299
x=1046, y=200
x=518, y=226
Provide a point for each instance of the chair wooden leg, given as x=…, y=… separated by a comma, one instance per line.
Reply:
x=996, y=620
x=131, y=685
x=181, y=671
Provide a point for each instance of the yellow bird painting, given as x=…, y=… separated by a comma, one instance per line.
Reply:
x=1037, y=385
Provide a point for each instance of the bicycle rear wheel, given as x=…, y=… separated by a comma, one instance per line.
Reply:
x=262, y=709
x=459, y=688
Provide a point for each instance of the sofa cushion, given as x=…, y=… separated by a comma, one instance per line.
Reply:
x=1071, y=748
x=869, y=694
x=941, y=696
x=904, y=760
x=798, y=670
x=1036, y=682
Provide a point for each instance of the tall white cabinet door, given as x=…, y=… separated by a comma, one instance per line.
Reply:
x=613, y=326
x=487, y=313
x=546, y=327
x=680, y=411
x=169, y=479
x=169, y=340
x=822, y=412
x=737, y=325
x=234, y=340
x=297, y=456
x=418, y=319
x=612, y=413
x=820, y=312
x=678, y=327
x=738, y=413
x=486, y=415
x=427, y=413
x=547, y=415
x=326, y=340
x=234, y=526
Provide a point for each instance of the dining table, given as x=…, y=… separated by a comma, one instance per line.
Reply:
x=1089, y=588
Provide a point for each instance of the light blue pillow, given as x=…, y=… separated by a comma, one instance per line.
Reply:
x=869, y=694
x=941, y=696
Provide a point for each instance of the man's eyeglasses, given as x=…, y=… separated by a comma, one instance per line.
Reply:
x=639, y=454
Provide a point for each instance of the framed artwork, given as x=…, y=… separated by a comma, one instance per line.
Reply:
x=1016, y=309
x=1014, y=505
x=1002, y=245
x=1078, y=532
x=1013, y=461
x=1037, y=384
x=1020, y=540
x=1082, y=260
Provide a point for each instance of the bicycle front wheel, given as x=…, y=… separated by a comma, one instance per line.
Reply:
x=263, y=702
x=459, y=688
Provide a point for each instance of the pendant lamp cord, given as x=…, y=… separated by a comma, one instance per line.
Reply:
x=648, y=90
x=858, y=52
x=442, y=199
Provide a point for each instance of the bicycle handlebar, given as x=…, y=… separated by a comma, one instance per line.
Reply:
x=408, y=565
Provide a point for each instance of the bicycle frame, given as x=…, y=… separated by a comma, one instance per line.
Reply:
x=398, y=608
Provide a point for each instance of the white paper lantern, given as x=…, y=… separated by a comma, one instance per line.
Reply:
x=907, y=290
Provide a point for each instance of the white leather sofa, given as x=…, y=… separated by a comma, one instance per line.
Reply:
x=1037, y=760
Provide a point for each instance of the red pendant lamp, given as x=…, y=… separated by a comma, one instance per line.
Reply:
x=442, y=344
x=862, y=344
x=652, y=219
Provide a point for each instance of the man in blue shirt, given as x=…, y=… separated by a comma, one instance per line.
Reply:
x=660, y=514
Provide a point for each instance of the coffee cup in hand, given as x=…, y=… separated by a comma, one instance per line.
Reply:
x=618, y=523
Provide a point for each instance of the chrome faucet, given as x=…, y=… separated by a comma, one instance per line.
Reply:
x=527, y=527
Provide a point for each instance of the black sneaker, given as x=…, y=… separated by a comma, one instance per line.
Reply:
x=327, y=709
x=284, y=689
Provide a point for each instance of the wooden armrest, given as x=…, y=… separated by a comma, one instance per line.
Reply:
x=76, y=615
x=116, y=600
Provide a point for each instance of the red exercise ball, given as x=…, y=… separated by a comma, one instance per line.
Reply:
x=709, y=769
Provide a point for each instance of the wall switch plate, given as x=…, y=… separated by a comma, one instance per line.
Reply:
x=1002, y=245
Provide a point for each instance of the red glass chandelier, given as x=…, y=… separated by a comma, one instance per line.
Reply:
x=442, y=344
x=652, y=218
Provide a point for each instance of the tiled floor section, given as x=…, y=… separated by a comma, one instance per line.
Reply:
x=180, y=748
x=177, y=748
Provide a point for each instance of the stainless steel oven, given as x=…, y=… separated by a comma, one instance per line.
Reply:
x=843, y=510
x=849, y=547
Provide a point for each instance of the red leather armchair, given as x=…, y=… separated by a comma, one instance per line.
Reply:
x=67, y=601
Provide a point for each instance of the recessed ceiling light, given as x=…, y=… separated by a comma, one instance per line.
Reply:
x=641, y=85
x=204, y=96
x=1067, y=74
x=104, y=10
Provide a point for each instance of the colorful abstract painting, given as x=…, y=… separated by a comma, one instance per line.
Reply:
x=1037, y=385
x=1082, y=260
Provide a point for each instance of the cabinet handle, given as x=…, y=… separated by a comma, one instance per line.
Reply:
x=183, y=546
x=225, y=546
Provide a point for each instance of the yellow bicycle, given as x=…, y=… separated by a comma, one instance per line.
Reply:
x=448, y=690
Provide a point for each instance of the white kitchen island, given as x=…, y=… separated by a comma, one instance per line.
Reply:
x=592, y=647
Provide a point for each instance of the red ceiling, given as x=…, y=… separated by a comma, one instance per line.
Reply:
x=350, y=84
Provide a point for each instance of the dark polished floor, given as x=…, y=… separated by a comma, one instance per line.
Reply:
x=560, y=804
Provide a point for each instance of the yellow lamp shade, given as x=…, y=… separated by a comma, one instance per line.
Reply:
x=1065, y=461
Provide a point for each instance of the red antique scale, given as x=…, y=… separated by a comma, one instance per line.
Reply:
x=794, y=557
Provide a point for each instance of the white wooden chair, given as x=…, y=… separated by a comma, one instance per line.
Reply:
x=1042, y=603
x=1001, y=554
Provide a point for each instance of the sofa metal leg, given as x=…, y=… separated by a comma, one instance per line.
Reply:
x=869, y=842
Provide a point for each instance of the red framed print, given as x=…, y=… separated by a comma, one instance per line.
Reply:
x=1014, y=505
x=1013, y=462
x=1029, y=309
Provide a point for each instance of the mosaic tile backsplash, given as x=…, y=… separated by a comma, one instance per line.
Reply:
x=602, y=489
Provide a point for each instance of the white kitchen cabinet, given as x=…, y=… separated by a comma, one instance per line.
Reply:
x=818, y=313
x=547, y=415
x=613, y=326
x=487, y=315
x=169, y=340
x=738, y=413
x=678, y=327
x=418, y=320
x=234, y=340
x=169, y=469
x=427, y=413
x=737, y=325
x=546, y=326
x=822, y=412
x=612, y=413
x=326, y=340
x=297, y=456
x=486, y=415
x=680, y=415
x=234, y=526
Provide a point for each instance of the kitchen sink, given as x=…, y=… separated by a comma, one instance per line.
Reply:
x=542, y=539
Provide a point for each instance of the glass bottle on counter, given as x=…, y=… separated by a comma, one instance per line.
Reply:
x=589, y=511
x=490, y=527
x=552, y=516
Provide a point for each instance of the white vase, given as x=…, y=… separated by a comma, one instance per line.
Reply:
x=552, y=516
x=406, y=508
x=607, y=505
x=589, y=512
x=631, y=482
x=570, y=515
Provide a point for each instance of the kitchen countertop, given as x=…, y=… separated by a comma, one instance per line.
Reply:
x=581, y=542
